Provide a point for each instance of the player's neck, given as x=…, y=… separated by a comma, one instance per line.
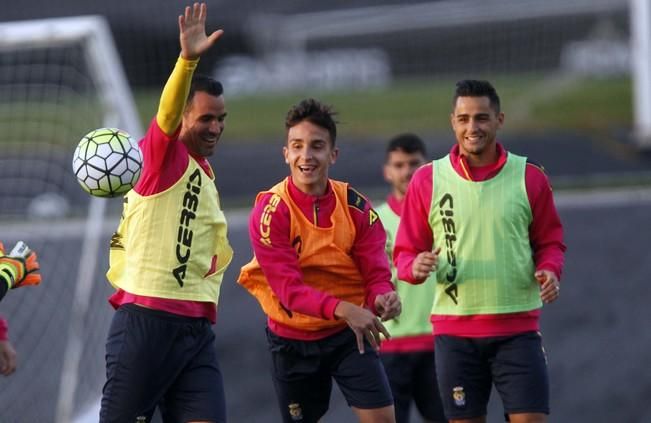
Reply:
x=398, y=195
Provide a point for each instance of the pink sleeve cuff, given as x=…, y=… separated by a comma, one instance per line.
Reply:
x=329, y=307
x=403, y=265
x=4, y=330
x=377, y=290
x=551, y=267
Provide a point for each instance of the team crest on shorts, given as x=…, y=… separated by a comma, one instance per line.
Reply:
x=459, y=396
x=295, y=411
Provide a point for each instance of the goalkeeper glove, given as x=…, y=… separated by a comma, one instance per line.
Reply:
x=20, y=267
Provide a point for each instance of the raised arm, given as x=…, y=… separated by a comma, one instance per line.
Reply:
x=194, y=42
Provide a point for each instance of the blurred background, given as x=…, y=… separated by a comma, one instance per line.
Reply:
x=575, y=81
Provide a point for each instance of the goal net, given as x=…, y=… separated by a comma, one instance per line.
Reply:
x=59, y=79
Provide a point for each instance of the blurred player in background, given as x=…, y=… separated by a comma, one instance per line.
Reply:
x=17, y=269
x=169, y=254
x=408, y=357
x=321, y=276
x=7, y=351
x=492, y=216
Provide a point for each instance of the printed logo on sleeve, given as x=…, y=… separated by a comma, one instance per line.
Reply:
x=265, y=219
x=372, y=217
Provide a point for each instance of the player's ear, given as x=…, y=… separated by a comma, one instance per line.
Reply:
x=385, y=172
x=285, y=152
x=333, y=155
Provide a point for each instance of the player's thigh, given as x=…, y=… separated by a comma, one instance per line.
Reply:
x=464, y=377
x=137, y=374
x=303, y=391
x=425, y=388
x=520, y=374
x=302, y=385
x=360, y=377
x=197, y=394
x=399, y=368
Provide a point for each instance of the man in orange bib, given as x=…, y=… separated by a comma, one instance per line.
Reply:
x=321, y=275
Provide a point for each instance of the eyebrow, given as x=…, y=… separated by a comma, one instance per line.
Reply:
x=312, y=141
x=468, y=114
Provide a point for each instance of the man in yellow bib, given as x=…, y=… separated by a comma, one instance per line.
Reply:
x=169, y=255
x=321, y=275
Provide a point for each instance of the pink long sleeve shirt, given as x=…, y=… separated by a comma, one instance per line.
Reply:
x=281, y=266
x=165, y=159
x=545, y=233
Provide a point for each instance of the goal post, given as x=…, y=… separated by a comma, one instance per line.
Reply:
x=435, y=40
x=640, y=16
x=60, y=78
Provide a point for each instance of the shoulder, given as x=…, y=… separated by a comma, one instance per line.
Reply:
x=535, y=170
x=356, y=200
x=535, y=165
x=268, y=203
x=424, y=172
x=266, y=197
x=361, y=209
x=422, y=178
x=156, y=134
x=536, y=178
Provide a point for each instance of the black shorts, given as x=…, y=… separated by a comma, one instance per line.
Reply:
x=302, y=372
x=154, y=358
x=413, y=376
x=467, y=367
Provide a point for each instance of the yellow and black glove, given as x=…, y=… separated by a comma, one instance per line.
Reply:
x=19, y=268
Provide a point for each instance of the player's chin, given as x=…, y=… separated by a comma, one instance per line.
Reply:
x=208, y=149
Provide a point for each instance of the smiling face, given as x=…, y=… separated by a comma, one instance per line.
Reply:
x=309, y=153
x=475, y=124
x=399, y=168
x=203, y=123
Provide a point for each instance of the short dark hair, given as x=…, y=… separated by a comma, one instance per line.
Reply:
x=477, y=88
x=314, y=112
x=407, y=142
x=206, y=84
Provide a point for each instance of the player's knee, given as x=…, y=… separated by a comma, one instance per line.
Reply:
x=376, y=415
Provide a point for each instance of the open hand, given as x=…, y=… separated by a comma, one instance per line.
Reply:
x=364, y=324
x=192, y=32
x=7, y=358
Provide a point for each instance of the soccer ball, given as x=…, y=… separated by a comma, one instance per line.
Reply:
x=107, y=162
